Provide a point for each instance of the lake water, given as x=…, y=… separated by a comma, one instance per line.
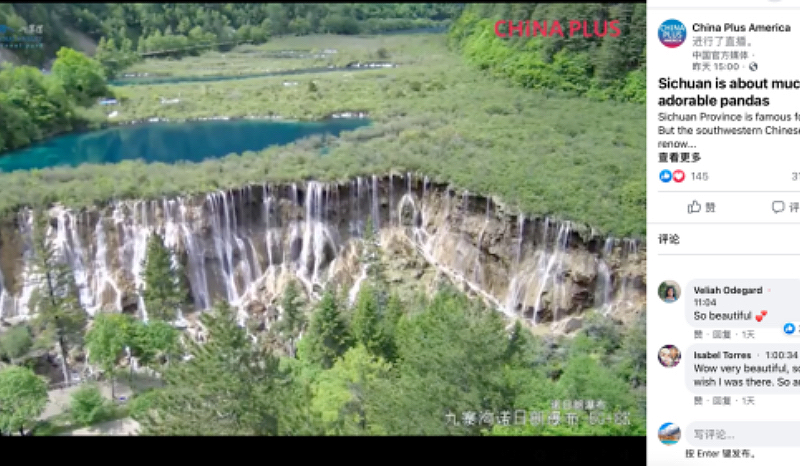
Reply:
x=169, y=142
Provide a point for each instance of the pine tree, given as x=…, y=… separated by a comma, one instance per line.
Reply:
x=55, y=302
x=164, y=290
x=366, y=320
x=292, y=319
x=391, y=318
x=230, y=386
x=515, y=341
x=376, y=272
x=328, y=338
x=343, y=394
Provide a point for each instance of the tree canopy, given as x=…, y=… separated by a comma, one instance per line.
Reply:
x=605, y=68
x=23, y=397
x=457, y=371
x=123, y=28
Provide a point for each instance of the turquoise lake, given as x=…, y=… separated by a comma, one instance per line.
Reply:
x=169, y=142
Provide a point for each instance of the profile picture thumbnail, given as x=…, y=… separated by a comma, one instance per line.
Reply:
x=669, y=356
x=672, y=33
x=669, y=291
x=669, y=434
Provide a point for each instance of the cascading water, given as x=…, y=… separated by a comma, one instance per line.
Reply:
x=241, y=245
x=376, y=216
x=479, y=278
x=102, y=278
x=6, y=300
x=141, y=236
x=552, y=272
x=31, y=278
x=515, y=287
x=631, y=255
x=605, y=286
x=69, y=246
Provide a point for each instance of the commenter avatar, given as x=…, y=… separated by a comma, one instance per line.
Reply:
x=669, y=433
x=669, y=291
x=669, y=356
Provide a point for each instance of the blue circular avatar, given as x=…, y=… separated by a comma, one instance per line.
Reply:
x=669, y=433
x=672, y=33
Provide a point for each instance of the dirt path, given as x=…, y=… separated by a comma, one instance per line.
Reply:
x=60, y=398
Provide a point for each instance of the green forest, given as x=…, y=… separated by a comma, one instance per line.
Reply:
x=385, y=365
x=35, y=106
x=145, y=27
x=607, y=68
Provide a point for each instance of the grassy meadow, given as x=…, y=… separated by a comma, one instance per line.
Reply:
x=265, y=58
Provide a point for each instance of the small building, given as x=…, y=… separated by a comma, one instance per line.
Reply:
x=108, y=102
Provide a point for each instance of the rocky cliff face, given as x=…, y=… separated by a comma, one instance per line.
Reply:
x=243, y=245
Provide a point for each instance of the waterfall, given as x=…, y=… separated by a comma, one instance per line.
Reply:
x=139, y=237
x=102, y=276
x=631, y=255
x=72, y=252
x=479, y=277
x=31, y=278
x=271, y=234
x=552, y=272
x=195, y=254
x=243, y=245
x=515, y=288
x=376, y=217
x=352, y=295
x=605, y=286
x=6, y=300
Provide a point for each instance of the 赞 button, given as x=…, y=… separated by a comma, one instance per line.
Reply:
x=789, y=329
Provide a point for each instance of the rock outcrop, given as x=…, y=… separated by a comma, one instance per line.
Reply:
x=244, y=245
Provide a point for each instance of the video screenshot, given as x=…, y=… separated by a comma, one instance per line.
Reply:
x=404, y=220
x=722, y=190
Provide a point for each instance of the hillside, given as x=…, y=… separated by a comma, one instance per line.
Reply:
x=144, y=27
x=607, y=68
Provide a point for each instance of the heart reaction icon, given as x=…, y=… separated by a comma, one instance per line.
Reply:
x=678, y=176
x=761, y=316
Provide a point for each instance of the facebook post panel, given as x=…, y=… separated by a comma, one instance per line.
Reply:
x=723, y=215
